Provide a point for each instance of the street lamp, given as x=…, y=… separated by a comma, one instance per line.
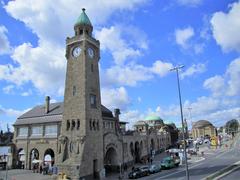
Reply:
x=180, y=101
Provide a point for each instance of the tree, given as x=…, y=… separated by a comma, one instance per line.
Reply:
x=232, y=126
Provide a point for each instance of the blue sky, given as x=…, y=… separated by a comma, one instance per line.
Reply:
x=141, y=40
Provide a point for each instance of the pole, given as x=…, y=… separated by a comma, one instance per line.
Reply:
x=7, y=167
x=180, y=102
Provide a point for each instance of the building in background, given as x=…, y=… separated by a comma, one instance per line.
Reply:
x=203, y=128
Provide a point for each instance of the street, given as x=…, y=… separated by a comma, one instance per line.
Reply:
x=199, y=167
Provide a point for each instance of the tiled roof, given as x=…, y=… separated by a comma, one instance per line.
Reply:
x=38, y=115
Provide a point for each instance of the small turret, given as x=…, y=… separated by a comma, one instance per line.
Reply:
x=83, y=25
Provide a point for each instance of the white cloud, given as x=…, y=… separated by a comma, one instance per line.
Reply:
x=4, y=43
x=131, y=116
x=115, y=98
x=215, y=84
x=182, y=36
x=52, y=22
x=194, y=69
x=233, y=73
x=227, y=84
x=27, y=93
x=44, y=66
x=131, y=74
x=161, y=68
x=112, y=40
x=191, y=3
x=8, y=89
x=226, y=28
x=11, y=112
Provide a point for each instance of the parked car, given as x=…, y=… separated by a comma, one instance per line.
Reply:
x=170, y=162
x=139, y=172
x=154, y=168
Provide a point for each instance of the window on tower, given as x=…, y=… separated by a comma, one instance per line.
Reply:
x=93, y=100
x=74, y=90
x=91, y=67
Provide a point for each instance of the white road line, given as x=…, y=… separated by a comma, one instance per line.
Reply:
x=190, y=167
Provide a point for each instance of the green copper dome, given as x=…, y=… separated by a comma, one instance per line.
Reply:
x=83, y=19
x=152, y=118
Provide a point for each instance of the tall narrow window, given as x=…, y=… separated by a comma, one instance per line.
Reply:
x=74, y=90
x=78, y=124
x=73, y=124
x=68, y=125
x=90, y=124
x=91, y=67
x=93, y=100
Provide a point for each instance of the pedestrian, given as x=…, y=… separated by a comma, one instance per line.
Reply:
x=151, y=160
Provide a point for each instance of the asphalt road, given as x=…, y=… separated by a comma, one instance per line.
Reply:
x=233, y=176
x=213, y=163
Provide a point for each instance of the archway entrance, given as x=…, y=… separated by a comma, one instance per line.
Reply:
x=33, y=158
x=21, y=158
x=49, y=157
x=111, y=160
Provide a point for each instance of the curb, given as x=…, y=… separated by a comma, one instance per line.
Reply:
x=223, y=172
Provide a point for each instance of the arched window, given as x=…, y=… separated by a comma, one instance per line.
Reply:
x=97, y=125
x=94, y=126
x=78, y=124
x=90, y=124
x=68, y=125
x=73, y=124
x=74, y=90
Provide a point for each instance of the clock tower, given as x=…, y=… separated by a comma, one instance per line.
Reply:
x=80, y=145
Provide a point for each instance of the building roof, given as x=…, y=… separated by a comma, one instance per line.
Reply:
x=140, y=123
x=201, y=124
x=83, y=19
x=38, y=115
x=153, y=118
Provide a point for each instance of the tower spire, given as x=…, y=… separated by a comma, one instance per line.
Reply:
x=83, y=24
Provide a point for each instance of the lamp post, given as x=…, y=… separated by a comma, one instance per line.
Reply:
x=180, y=102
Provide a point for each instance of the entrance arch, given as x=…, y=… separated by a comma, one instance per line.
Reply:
x=49, y=157
x=20, y=158
x=34, y=155
x=111, y=160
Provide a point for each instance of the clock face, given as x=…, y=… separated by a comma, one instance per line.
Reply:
x=90, y=52
x=76, y=51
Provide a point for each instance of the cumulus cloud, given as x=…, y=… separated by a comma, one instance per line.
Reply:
x=132, y=73
x=4, y=43
x=227, y=84
x=215, y=84
x=121, y=49
x=115, y=98
x=226, y=28
x=43, y=16
x=192, y=70
x=233, y=74
x=43, y=66
x=161, y=68
x=182, y=36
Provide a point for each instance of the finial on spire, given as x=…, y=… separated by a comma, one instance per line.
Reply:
x=83, y=9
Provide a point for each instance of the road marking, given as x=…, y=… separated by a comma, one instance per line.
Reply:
x=191, y=166
x=179, y=171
